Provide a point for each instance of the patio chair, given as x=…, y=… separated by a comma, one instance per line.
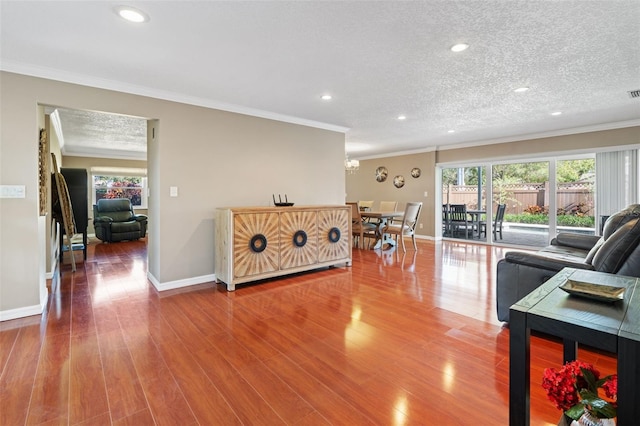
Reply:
x=459, y=220
x=497, y=222
x=446, y=220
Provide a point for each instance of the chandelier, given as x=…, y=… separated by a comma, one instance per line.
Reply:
x=351, y=165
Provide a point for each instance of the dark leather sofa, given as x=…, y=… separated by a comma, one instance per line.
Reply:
x=114, y=220
x=616, y=252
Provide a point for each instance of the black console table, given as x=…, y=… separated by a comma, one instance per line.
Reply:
x=77, y=183
x=609, y=326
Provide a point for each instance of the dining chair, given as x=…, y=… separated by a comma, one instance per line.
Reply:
x=388, y=206
x=459, y=219
x=408, y=225
x=365, y=206
x=360, y=228
x=446, y=220
x=497, y=222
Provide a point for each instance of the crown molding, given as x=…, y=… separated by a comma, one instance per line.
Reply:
x=100, y=83
x=542, y=135
x=104, y=153
x=524, y=137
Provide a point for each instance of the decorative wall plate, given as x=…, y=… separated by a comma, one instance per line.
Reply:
x=415, y=172
x=381, y=174
x=398, y=181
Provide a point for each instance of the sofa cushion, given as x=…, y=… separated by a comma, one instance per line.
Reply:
x=117, y=216
x=579, y=241
x=117, y=209
x=594, y=250
x=613, y=224
x=131, y=226
x=619, y=219
x=616, y=249
x=564, y=253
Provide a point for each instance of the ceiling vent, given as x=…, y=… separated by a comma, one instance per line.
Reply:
x=634, y=93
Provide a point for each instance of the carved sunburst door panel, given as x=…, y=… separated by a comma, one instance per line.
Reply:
x=333, y=234
x=298, y=239
x=256, y=243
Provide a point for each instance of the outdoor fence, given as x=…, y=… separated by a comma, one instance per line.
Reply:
x=520, y=197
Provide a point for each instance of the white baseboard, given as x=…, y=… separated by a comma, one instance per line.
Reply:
x=427, y=237
x=171, y=285
x=54, y=266
x=26, y=311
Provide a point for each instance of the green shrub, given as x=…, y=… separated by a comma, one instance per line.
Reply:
x=543, y=219
x=577, y=221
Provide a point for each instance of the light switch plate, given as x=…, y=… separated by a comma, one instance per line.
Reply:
x=173, y=191
x=12, y=191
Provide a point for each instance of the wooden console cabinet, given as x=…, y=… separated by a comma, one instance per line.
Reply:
x=254, y=243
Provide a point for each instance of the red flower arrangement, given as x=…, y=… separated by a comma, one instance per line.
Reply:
x=574, y=390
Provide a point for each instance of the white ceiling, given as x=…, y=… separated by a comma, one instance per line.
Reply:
x=378, y=59
x=98, y=134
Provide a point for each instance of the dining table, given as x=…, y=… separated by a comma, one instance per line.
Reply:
x=382, y=218
x=475, y=220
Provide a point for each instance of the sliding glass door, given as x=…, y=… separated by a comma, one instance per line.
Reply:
x=526, y=203
x=523, y=189
x=575, y=184
x=464, y=202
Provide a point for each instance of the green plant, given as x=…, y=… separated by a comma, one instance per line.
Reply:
x=535, y=219
x=576, y=221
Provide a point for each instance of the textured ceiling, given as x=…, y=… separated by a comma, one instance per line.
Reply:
x=89, y=133
x=378, y=59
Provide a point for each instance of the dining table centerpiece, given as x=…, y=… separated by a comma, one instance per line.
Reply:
x=575, y=389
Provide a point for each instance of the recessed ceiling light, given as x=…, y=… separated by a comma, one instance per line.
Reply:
x=459, y=47
x=402, y=117
x=556, y=113
x=521, y=89
x=326, y=97
x=132, y=14
x=451, y=131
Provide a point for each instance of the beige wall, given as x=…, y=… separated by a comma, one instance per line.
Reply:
x=363, y=186
x=215, y=158
x=579, y=142
x=87, y=163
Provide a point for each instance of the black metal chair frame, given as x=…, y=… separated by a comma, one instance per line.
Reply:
x=497, y=222
x=459, y=219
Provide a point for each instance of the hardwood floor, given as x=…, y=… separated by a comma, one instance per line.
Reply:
x=396, y=339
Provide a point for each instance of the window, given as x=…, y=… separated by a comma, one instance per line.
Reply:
x=541, y=198
x=120, y=183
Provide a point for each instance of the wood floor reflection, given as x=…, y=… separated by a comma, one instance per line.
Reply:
x=396, y=339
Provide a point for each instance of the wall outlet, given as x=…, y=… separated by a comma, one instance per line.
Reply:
x=426, y=194
x=421, y=226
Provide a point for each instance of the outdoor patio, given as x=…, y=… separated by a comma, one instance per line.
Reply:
x=524, y=235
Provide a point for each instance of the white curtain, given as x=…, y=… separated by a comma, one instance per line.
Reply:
x=616, y=182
